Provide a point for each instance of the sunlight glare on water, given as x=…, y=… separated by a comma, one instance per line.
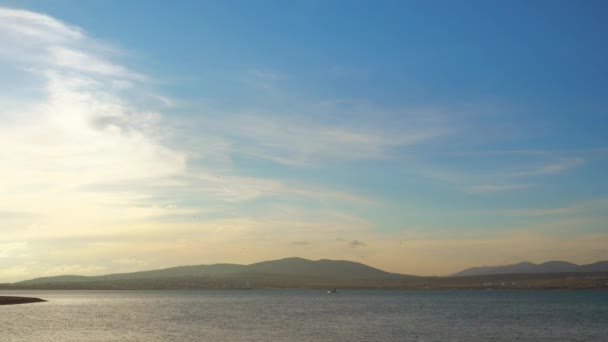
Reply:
x=307, y=315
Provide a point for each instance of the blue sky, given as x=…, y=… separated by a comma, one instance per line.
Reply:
x=437, y=135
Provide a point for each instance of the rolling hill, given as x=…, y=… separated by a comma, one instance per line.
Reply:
x=297, y=269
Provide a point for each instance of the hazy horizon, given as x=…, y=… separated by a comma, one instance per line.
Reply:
x=418, y=138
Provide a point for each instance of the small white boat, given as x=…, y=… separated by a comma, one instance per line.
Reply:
x=332, y=291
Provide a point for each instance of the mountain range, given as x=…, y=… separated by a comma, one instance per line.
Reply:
x=335, y=270
x=303, y=273
x=532, y=268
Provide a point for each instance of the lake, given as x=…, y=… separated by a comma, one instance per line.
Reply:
x=307, y=315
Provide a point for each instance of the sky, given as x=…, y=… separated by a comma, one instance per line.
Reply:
x=419, y=137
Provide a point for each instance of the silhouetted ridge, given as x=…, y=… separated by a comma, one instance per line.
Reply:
x=332, y=269
x=320, y=268
x=531, y=268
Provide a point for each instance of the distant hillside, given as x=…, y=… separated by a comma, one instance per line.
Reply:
x=531, y=268
x=303, y=269
x=321, y=268
x=173, y=272
x=325, y=274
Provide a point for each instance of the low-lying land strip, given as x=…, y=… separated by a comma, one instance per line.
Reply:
x=10, y=300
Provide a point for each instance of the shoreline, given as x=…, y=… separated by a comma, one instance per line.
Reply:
x=312, y=288
x=12, y=300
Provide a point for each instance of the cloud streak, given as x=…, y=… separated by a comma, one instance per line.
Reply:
x=302, y=142
x=553, y=168
x=491, y=188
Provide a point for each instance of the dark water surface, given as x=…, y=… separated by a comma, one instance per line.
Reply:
x=307, y=315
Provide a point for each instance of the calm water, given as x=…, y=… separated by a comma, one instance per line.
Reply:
x=307, y=315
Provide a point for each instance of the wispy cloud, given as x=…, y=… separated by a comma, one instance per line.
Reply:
x=22, y=24
x=301, y=243
x=553, y=167
x=81, y=61
x=491, y=188
x=584, y=207
x=300, y=141
x=512, y=171
x=546, y=212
